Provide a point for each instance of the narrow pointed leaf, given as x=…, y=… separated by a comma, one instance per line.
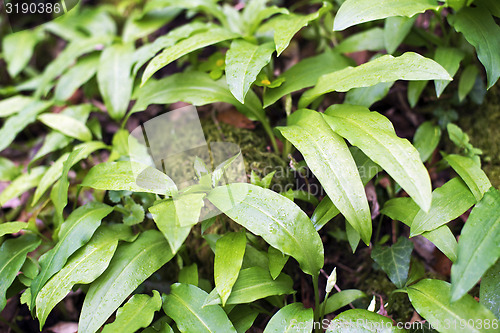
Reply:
x=426, y=139
x=277, y=261
x=7, y=228
x=471, y=174
x=375, y=136
x=17, y=50
x=165, y=217
x=467, y=80
x=395, y=260
x=229, y=251
x=14, y=104
x=22, y=184
x=368, y=40
x=341, y=299
x=275, y=218
x=489, y=293
x=75, y=77
x=288, y=319
x=450, y=59
x=396, y=28
x=67, y=125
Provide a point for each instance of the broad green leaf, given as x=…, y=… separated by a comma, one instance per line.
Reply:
x=22, y=184
x=375, y=136
x=431, y=299
x=256, y=11
x=55, y=170
x=354, y=12
x=115, y=79
x=252, y=284
x=275, y=218
x=471, y=174
x=83, y=267
x=206, y=6
x=368, y=40
x=305, y=74
x=17, y=50
x=242, y=317
x=16, y=123
x=366, y=96
x=131, y=265
x=291, y=318
x=489, y=293
x=448, y=202
x=189, y=274
x=450, y=59
x=467, y=80
x=475, y=24
x=341, y=299
x=361, y=321
x=12, y=256
x=165, y=217
x=478, y=246
x=492, y=5
x=409, y=66
x=188, y=207
x=277, y=261
x=137, y=313
x=73, y=234
x=328, y=157
x=14, y=104
x=395, y=260
x=285, y=26
x=140, y=24
x=7, y=228
x=415, y=89
x=188, y=45
x=67, y=125
x=185, y=306
x=229, y=251
x=119, y=176
x=76, y=76
x=426, y=139
x=405, y=210
x=244, y=61
x=396, y=28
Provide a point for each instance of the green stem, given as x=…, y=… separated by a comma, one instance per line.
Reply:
x=316, y=301
x=323, y=308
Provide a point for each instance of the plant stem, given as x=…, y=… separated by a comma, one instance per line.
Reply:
x=316, y=301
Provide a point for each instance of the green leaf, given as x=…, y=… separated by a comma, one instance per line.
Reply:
x=188, y=45
x=395, y=260
x=368, y=40
x=354, y=12
x=489, y=293
x=7, y=228
x=361, y=321
x=67, y=125
x=256, y=11
x=277, y=261
x=409, y=66
x=492, y=5
x=475, y=24
x=431, y=300
x=242, y=317
x=478, y=246
x=252, y=284
x=244, y=61
x=185, y=306
x=15, y=124
x=467, y=80
x=14, y=104
x=73, y=234
x=131, y=265
x=396, y=28
x=291, y=318
x=405, y=210
x=471, y=174
x=188, y=207
x=341, y=299
x=275, y=218
x=328, y=157
x=415, y=89
x=76, y=76
x=375, y=136
x=22, y=184
x=305, y=74
x=17, y=50
x=368, y=95
x=114, y=78
x=448, y=202
x=83, y=267
x=141, y=23
x=12, y=256
x=119, y=176
x=165, y=217
x=426, y=139
x=229, y=251
x=137, y=313
x=450, y=59
x=189, y=274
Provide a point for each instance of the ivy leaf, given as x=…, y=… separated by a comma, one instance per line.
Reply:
x=137, y=313
x=478, y=246
x=12, y=256
x=131, y=265
x=471, y=174
x=185, y=306
x=275, y=218
x=395, y=260
x=229, y=251
x=83, y=267
x=489, y=293
x=409, y=66
x=288, y=317
x=431, y=299
x=22, y=184
x=354, y=12
x=244, y=61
